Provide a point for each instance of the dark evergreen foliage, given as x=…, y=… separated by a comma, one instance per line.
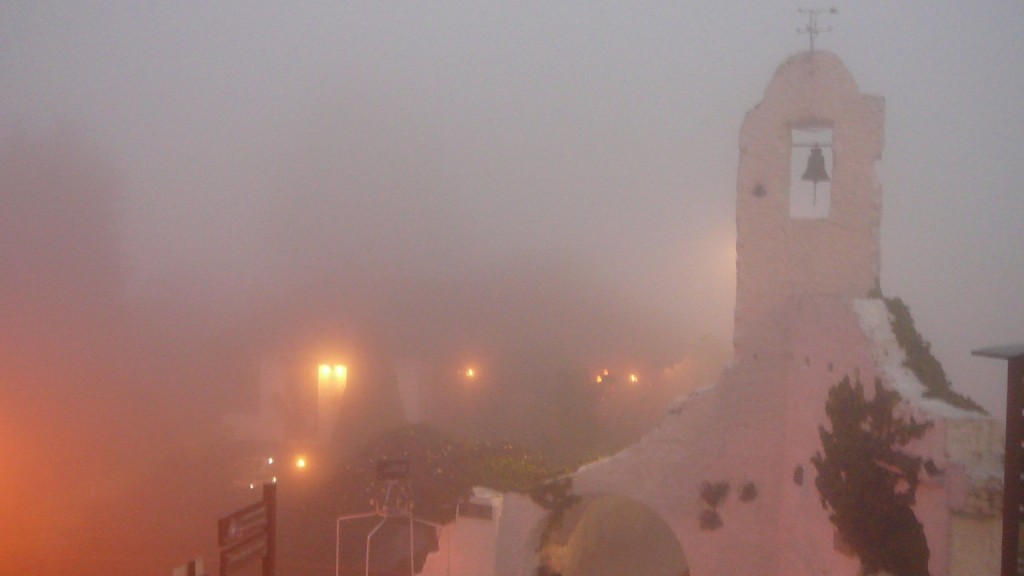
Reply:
x=868, y=483
x=921, y=361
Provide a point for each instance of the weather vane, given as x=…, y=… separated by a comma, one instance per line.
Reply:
x=812, y=28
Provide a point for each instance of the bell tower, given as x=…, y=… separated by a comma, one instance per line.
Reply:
x=790, y=244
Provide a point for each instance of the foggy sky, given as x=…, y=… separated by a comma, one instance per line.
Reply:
x=262, y=147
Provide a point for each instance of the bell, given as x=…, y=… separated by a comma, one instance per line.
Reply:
x=816, y=167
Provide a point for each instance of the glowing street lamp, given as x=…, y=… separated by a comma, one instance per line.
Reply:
x=332, y=377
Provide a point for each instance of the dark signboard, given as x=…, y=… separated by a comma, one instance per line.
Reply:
x=240, y=525
x=247, y=535
x=243, y=553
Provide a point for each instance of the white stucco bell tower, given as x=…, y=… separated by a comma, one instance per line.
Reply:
x=782, y=252
x=729, y=475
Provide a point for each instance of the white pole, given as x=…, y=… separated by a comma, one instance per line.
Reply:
x=337, y=537
x=368, y=536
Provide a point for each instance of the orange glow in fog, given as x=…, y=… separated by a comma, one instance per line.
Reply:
x=332, y=376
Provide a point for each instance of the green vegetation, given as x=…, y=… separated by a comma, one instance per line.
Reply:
x=921, y=361
x=868, y=483
x=442, y=470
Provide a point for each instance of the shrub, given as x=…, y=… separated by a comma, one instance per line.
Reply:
x=868, y=483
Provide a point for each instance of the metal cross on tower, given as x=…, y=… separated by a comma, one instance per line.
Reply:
x=812, y=28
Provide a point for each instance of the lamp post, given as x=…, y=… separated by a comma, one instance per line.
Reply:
x=1014, y=355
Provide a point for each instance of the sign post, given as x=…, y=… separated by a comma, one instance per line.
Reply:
x=249, y=534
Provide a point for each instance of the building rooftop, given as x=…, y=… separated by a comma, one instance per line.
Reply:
x=1008, y=352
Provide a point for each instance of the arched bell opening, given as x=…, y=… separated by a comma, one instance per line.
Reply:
x=810, y=173
x=611, y=535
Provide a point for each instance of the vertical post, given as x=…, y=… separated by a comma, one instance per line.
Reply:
x=451, y=537
x=270, y=501
x=1014, y=453
x=1012, y=471
x=412, y=548
x=813, y=28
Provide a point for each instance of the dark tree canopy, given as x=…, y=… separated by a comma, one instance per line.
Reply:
x=868, y=483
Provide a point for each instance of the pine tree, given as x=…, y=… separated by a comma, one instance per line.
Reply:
x=868, y=483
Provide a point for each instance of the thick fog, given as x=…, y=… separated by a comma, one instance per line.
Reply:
x=188, y=189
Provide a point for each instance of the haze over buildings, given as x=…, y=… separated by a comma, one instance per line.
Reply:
x=257, y=146
x=456, y=181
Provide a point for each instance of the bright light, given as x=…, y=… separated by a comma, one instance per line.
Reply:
x=470, y=373
x=270, y=460
x=333, y=376
x=633, y=378
x=300, y=462
x=599, y=379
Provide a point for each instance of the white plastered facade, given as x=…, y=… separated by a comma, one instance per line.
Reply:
x=807, y=314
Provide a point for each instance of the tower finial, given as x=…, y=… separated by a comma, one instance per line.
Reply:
x=812, y=28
